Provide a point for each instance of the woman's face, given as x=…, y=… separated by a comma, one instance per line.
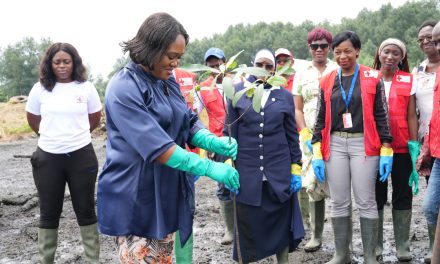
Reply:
x=319, y=50
x=163, y=69
x=390, y=56
x=424, y=38
x=62, y=66
x=265, y=63
x=345, y=55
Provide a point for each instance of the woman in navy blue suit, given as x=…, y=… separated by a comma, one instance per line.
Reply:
x=268, y=162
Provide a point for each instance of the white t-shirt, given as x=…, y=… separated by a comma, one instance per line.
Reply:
x=64, y=112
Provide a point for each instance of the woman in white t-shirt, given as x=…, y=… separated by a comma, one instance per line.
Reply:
x=63, y=108
x=391, y=59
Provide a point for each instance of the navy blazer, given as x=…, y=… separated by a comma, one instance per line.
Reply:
x=267, y=143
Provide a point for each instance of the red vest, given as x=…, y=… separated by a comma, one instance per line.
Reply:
x=398, y=110
x=434, y=125
x=368, y=82
x=213, y=101
x=186, y=80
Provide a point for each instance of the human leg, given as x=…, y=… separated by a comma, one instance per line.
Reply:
x=363, y=170
x=317, y=213
x=402, y=205
x=141, y=250
x=82, y=171
x=431, y=203
x=338, y=177
x=50, y=183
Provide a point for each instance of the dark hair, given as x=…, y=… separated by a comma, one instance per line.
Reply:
x=427, y=23
x=319, y=33
x=153, y=38
x=403, y=64
x=47, y=76
x=347, y=35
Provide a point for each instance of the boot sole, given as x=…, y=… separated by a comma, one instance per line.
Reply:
x=312, y=249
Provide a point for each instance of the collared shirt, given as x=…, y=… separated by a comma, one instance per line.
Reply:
x=424, y=96
x=306, y=84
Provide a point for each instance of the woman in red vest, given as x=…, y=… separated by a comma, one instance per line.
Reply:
x=350, y=133
x=391, y=60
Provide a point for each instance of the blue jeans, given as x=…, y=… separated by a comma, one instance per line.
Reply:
x=431, y=202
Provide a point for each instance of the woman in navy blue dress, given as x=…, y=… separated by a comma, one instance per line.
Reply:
x=144, y=192
x=268, y=161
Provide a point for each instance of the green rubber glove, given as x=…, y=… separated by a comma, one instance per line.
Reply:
x=192, y=163
x=210, y=142
x=414, y=152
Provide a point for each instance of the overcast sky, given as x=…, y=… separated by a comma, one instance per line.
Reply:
x=97, y=27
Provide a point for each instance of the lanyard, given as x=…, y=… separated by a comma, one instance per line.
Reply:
x=350, y=91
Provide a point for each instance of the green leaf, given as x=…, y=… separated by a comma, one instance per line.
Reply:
x=250, y=93
x=283, y=69
x=256, y=100
x=198, y=68
x=252, y=71
x=228, y=87
x=238, y=95
x=230, y=64
x=277, y=80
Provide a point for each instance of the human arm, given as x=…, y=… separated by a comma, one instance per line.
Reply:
x=34, y=121
x=413, y=144
x=94, y=119
x=220, y=145
x=178, y=158
x=317, y=161
x=383, y=129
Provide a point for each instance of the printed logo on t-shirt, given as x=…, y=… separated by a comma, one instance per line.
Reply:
x=80, y=99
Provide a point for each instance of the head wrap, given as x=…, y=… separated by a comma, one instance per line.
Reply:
x=265, y=53
x=393, y=41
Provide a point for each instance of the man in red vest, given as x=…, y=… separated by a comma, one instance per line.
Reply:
x=431, y=202
x=213, y=101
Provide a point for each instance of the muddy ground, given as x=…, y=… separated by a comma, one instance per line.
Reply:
x=19, y=219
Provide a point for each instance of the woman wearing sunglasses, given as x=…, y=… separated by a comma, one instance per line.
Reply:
x=306, y=90
x=268, y=161
x=350, y=133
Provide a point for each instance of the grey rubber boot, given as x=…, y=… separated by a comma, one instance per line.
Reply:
x=317, y=211
x=379, y=246
x=369, y=229
x=304, y=206
x=283, y=256
x=227, y=212
x=402, y=226
x=90, y=241
x=47, y=244
x=341, y=230
x=431, y=235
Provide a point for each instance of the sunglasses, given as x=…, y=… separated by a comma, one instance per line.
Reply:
x=316, y=46
x=266, y=66
x=286, y=60
x=422, y=39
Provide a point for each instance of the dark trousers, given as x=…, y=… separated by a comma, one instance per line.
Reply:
x=51, y=172
x=402, y=193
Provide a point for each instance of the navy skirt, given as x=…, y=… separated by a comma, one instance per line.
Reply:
x=267, y=229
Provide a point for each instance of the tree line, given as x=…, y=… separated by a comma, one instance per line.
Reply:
x=19, y=61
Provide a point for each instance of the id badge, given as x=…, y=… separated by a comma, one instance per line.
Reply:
x=346, y=120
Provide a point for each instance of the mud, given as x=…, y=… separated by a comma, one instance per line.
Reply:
x=19, y=220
